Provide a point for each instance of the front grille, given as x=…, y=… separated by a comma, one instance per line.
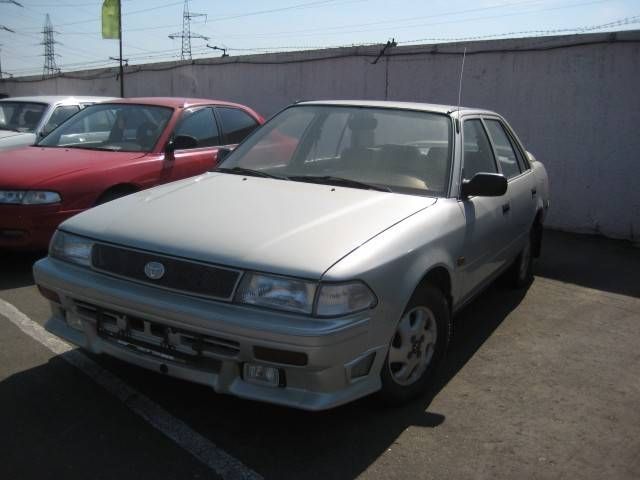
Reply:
x=157, y=339
x=182, y=275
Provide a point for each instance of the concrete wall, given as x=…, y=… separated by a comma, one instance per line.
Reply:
x=574, y=101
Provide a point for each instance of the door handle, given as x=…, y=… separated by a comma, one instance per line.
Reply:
x=534, y=191
x=505, y=208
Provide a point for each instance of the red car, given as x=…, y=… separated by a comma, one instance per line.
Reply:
x=109, y=150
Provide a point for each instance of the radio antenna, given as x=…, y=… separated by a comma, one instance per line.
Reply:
x=464, y=55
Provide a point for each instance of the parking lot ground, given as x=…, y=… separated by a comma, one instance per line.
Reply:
x=542, y=383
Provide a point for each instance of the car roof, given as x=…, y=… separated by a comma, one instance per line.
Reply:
x=54, y=99
x=175, y=102
x=426, y=107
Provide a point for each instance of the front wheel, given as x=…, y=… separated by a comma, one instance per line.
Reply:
x=418, y=344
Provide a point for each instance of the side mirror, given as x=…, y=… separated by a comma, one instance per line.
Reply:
x=485, y=185
x=181, y=142
x=222, y=154
x=531, y=158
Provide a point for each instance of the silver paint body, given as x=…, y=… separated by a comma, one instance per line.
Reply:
x=389, y=241
x=10, y=139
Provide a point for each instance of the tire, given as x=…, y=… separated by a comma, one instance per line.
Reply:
x=111, y=195
x=520, y=274
x=405, y=379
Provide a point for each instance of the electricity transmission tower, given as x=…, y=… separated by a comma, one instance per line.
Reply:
x=186, y=35
x=50, y=68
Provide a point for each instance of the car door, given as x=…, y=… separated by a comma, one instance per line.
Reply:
x=521, y=184
x=486, y=218
x=200, y=124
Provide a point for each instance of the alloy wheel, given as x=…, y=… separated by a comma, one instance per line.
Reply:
x=413, y=345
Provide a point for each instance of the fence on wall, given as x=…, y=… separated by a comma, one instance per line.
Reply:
x=574, y=101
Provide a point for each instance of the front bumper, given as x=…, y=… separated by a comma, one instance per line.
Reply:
x=332, y=348
x=30, y=227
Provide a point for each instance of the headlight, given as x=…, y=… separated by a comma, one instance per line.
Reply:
x=295, y=295
x=344, y=298
x=28, y=197
x=71, y=248
x=276, y=292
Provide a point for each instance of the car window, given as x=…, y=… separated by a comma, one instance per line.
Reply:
x=279, y=141
x=21, y=116
x=478, y=156
x=117, y=127
x=200, y=124
x=504, y=149
x=236, y=124
x=59, y=115
x=403, y=150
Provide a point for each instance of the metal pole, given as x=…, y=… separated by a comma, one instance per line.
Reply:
x=120, y=40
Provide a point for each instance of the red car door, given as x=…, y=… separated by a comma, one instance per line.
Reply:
x=199, y=126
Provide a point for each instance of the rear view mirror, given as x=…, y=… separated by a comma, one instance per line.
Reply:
x=485, y=185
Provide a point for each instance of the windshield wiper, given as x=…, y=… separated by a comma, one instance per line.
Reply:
x=83, y=147
x=248, y=171
x=9, y=129
x=339, y=181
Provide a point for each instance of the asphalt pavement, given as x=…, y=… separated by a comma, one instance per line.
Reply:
x=540, y=383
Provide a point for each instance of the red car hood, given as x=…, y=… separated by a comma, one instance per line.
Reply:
x=30, y=167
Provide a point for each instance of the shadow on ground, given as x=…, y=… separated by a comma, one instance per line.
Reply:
x=591, y=261
x=70, y=428
x=344, y=442
x=341, y=443
x=16, y=268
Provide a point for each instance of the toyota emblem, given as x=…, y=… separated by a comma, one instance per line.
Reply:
x=154, y=270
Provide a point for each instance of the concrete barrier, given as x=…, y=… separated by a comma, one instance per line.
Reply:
x=574, y=100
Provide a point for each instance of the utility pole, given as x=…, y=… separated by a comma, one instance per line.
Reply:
x=50, y=68
x=120, y=41
x=186, y=35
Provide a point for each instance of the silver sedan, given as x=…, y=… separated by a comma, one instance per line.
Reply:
x=321, y=261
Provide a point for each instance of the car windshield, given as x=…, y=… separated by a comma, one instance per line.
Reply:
x=117, y=127
x=360, y=147
x=21, y=116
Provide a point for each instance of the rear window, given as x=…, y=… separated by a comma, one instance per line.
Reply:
x=236, y=124
x=21, y=116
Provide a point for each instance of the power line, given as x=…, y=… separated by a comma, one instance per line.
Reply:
x=201, y=50
x=133, y=12
x=50, y=67
x=186, y=35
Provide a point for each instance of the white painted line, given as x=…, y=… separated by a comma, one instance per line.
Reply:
x=200, y=447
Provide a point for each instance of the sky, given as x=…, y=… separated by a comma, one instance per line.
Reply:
x=253, y=26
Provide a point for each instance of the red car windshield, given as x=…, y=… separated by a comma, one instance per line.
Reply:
x=115, y=127
x=21, y=116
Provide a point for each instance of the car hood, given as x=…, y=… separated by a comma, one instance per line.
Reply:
x=11, y=139
x=30, y=167
x=262, y=224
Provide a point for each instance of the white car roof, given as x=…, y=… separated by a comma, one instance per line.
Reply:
x=57, y=99
x=427, y=107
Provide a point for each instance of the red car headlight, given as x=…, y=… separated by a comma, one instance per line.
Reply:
x=28, y=197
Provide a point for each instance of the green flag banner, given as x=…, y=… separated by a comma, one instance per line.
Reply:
x=111, y=19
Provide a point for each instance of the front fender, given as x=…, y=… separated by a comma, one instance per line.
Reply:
x=394, y=262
